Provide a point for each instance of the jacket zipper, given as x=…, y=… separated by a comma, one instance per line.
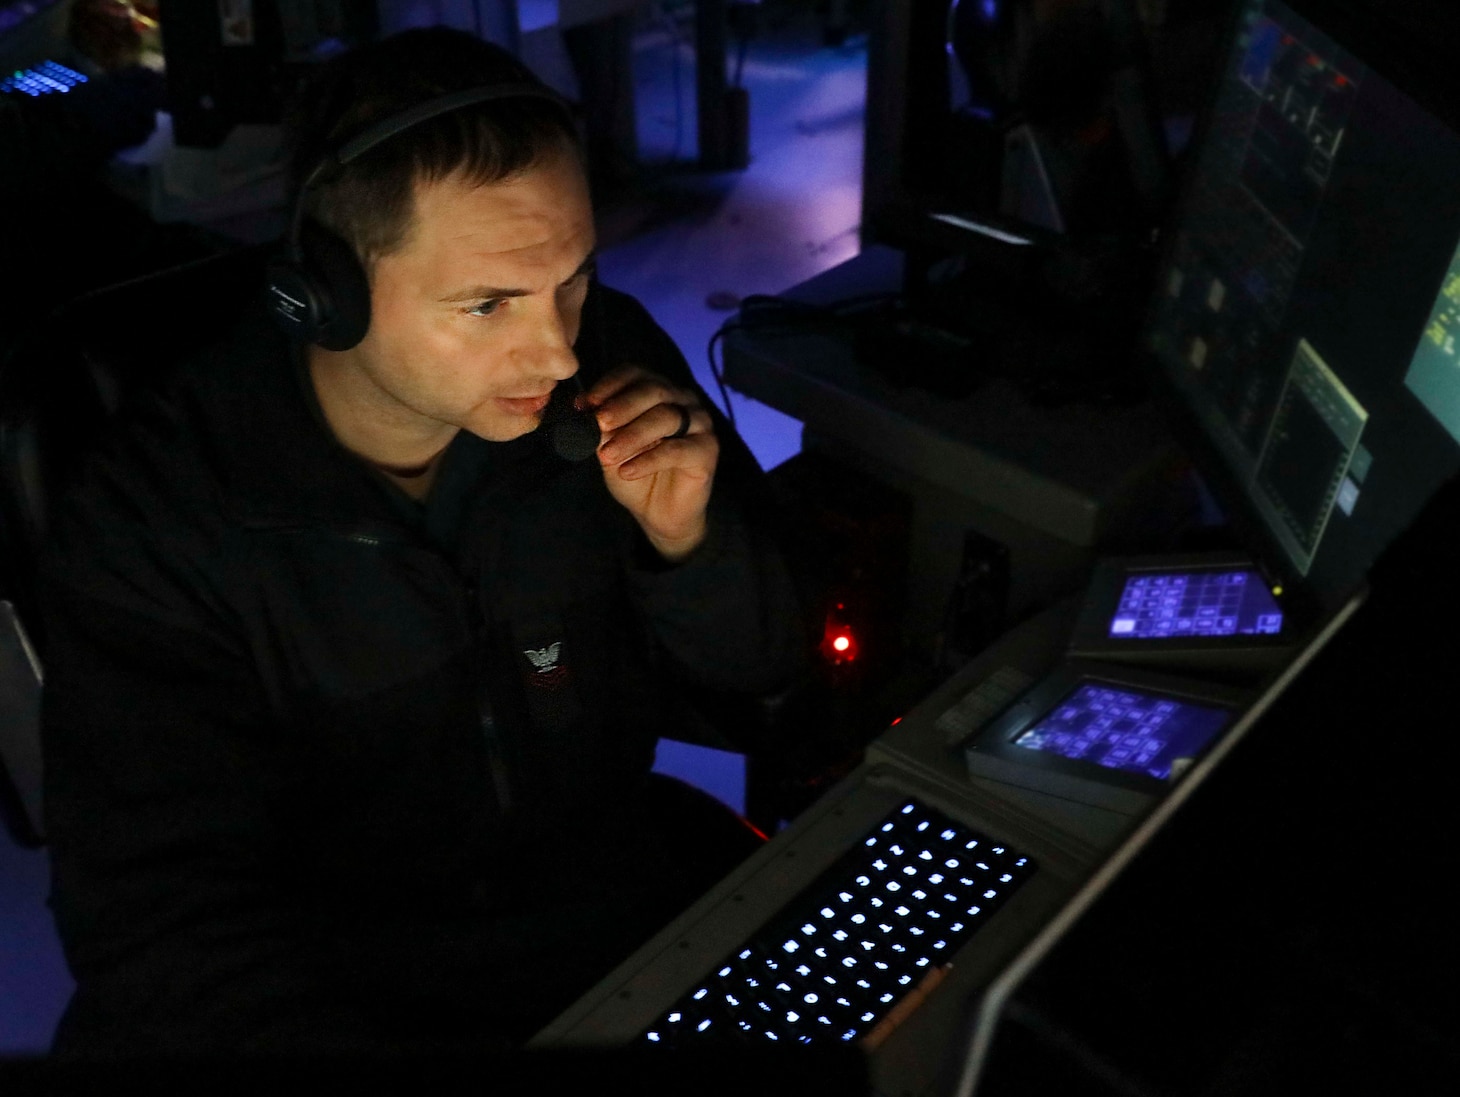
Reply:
x=498, y=765
x=491, y=737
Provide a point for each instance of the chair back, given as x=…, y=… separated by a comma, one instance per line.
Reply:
x=79, y=367
x=20, y=735
x=60, y=385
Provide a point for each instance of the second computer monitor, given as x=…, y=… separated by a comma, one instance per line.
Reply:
x=1306, y=310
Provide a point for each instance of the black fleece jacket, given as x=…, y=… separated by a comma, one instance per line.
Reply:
x=325, y=772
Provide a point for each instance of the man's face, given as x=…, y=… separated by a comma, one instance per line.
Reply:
x=473, y=320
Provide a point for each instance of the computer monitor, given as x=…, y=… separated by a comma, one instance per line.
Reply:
x=1013, y=116
x=1304, y=315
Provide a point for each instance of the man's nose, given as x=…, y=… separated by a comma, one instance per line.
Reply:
x=552, y=350
x=561, y=363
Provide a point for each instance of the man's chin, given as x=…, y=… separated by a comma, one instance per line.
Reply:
x=503, y=427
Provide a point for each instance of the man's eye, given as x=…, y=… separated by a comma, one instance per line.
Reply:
x=486, y=308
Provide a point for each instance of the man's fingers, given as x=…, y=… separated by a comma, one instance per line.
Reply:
x=630, y=403
x=623, y=387
x=612, y=383
x=631, y=394
x=694, y=456
x=654, y=426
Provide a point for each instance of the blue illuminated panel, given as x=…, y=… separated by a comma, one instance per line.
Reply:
x=45, y=78
x=1201, y=603
x=1125, y=729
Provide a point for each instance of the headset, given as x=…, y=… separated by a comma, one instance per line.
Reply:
x=318, y=291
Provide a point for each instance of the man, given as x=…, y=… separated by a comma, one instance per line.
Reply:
x=353, y=684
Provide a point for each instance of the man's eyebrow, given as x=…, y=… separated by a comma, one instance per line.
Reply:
x=486, y=293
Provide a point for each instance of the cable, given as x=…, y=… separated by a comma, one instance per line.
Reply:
x=715, y=371
x=770, y=314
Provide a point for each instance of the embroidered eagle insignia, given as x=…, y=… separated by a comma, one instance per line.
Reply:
x=544, y=659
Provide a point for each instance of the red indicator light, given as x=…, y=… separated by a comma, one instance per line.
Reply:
x=897, y=721
x=838, y=641
x=840, y=647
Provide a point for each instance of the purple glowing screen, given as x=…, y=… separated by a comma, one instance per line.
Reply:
x=1125, y=729
x=1197, y=603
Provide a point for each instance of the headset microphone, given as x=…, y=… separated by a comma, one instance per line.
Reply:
x=572, y=431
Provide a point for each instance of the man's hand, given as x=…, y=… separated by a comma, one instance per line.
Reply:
x=663, y=481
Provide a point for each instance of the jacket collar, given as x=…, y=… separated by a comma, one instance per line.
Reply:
x=275, y=456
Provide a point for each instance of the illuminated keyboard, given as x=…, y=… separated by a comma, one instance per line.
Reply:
x=44, y=79
x=868, y=931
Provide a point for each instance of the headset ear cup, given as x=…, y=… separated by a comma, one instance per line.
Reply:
x=340, y=280
x=294, y=300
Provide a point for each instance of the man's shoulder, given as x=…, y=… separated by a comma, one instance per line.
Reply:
x=231, y=416
x=154, y=486
x=167, y=433
x=626, y=331
x=626, y=314
x=619, y=304
x=141, y=501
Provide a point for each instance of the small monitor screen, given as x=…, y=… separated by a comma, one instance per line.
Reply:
x=1122, y=728
x=1230, y=602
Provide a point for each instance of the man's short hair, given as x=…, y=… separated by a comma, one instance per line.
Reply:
x=369, y=202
